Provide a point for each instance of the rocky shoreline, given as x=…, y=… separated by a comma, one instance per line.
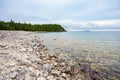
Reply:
x=23, y=56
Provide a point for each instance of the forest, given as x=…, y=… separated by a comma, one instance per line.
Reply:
x=30, y=27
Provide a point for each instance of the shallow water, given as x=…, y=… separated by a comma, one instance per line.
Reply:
x=102, y=49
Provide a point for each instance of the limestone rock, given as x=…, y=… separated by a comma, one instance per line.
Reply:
x=47, y=67
x=41, y=78
x=13, y=74
x=55, y=72
x=22, y=49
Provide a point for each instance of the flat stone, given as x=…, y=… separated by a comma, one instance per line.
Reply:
x=64, y=75
x=22, y=49
x=41, y=78
x=28, y=77
x=13, y=74
x=55, y=72
x=50, y=77
x=47, y=67
x=20, y=76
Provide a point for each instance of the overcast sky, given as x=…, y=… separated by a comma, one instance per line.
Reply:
x=72, y=14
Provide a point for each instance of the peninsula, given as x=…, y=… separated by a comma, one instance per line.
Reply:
x=31, y=27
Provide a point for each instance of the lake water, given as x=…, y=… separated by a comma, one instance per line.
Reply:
x=102, y=49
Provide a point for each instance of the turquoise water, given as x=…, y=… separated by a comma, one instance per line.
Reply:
x=102, y=49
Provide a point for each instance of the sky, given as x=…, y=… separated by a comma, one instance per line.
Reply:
x=73, y=15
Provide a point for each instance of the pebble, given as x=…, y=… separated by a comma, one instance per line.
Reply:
x=22, y=49
x=47, y=67
x=41, y=78
x=50, y=77
x=20, y=76
x=55, y=72
x=64, y=75
x=13, y=74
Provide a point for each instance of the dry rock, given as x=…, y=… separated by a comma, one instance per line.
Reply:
x=47, y=67
x=55, y=72
x=22, y=49
x=13, y=75
x=41, y=78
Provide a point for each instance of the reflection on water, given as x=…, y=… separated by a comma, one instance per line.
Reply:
x=102, y=49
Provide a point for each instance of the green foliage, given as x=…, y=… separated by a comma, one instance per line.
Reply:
x=29, y=27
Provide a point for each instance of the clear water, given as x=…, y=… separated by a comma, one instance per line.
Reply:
x=100, y=48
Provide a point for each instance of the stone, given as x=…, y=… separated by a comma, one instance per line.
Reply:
x=61, y=78
x=13, y=74
x=20, y=76
x=47, y=67
x=68, y=70
x=64, y=75
x=55, y=63
x=55, y=72
x=50, y=77
x=41, y=78
x=28, y=77
x=2, y=44
x=62, y=64
x=44, y=73
x=37, y=72
x=30, y=49
x=22, y=49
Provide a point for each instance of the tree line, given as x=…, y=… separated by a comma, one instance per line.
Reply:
x=30, y=27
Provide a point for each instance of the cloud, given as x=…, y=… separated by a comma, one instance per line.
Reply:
x=99, y=24
x=87, y=23
x=72, y=14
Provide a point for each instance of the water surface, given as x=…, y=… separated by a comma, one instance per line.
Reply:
x=100, y=48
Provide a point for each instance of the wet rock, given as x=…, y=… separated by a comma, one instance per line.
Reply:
x=76, y=69
x=54, y=39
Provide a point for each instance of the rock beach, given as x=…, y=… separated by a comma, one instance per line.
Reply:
x=23, y=56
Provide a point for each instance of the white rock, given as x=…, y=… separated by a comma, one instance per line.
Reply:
x=55, y=72
x=47, y=67
x=27, y=77
x=13, y=75
x=50, y=77
x=30, y=49
x=37, y=73
x=41, y=78
x=22, y=49
x=55, y=63
x=64, y=75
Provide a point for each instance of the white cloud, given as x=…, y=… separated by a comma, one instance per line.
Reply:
x=100, y=24
x=87, y=23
